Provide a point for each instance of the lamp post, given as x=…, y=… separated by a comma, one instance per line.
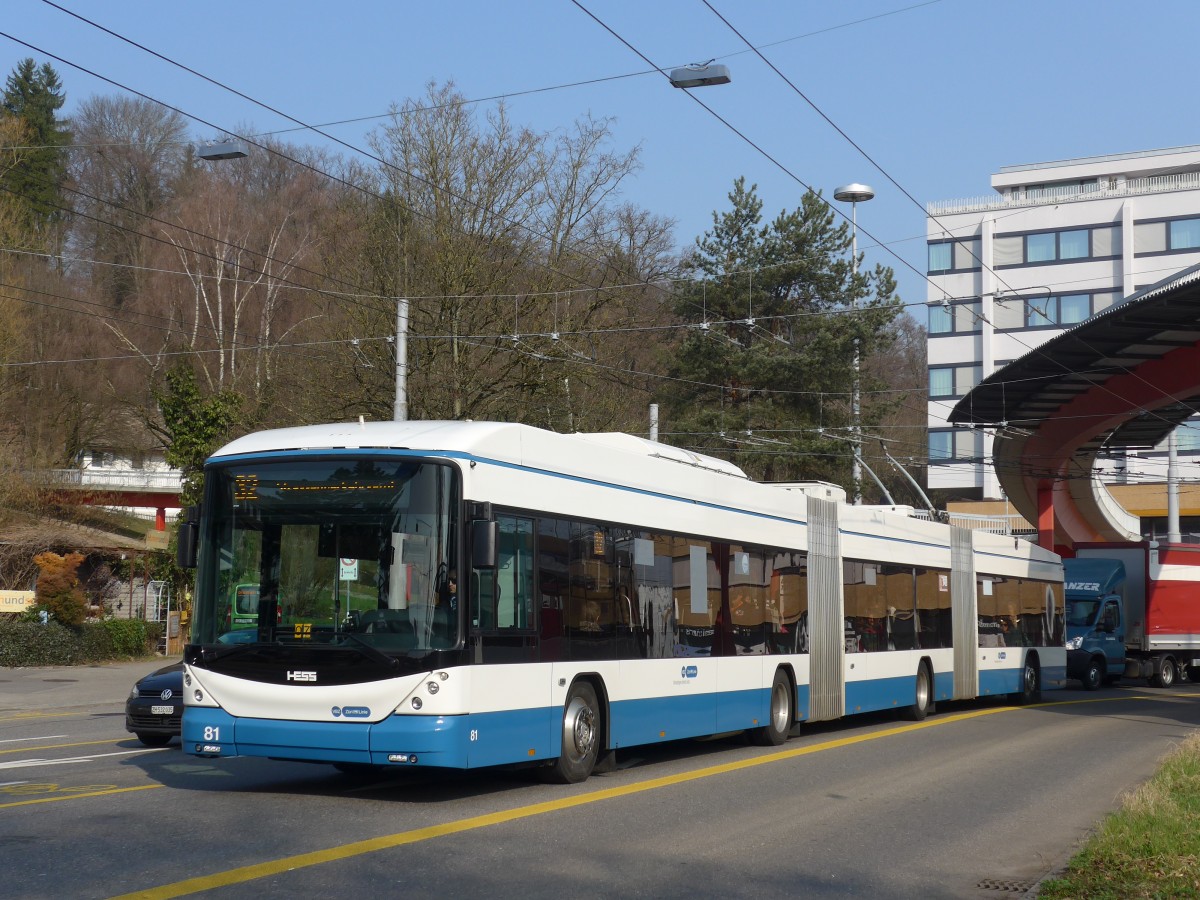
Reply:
x=854, y=194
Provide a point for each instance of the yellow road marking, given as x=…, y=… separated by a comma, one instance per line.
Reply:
x=387, y=842
x=104, y=793
x=60, y=746
x=42, y=715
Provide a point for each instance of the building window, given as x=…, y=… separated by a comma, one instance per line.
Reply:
x=962, y=317
x=952, y=381
x=1073, y=245
x=1040, y=248
x=1053, y=311
x=1187, y=437
x=1166, y=236
x=951, y=444
x=941, y=445
x=1184, y=234
x=1043, y=247
x=955, y=256
x=1074, y=308
x=1057, y=245
x=941, y=257
x=940, y=319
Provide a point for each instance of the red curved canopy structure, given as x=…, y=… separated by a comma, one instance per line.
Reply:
x=1122, y=380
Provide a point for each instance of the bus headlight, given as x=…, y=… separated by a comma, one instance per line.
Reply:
x=433, y=687
x=416, y=703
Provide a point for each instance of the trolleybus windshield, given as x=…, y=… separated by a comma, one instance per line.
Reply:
x=343, y=551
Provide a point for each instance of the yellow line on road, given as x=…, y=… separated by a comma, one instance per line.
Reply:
x=104, y=793
x=387, y=842
x=60, y=746
x=17, y=717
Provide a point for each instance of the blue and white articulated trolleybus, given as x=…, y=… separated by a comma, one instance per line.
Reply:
x=467, y=594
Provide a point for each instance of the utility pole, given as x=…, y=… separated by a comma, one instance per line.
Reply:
x=853, y=193
x=400, y=411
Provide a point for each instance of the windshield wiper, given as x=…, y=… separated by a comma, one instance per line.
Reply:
x=212, y=654
x=370, y=650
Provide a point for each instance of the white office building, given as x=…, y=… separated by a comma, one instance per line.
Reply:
x=1057, y=243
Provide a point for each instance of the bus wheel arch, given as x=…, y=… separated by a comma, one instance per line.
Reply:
x=781, y=711
x=923, y=703
x=583, y=733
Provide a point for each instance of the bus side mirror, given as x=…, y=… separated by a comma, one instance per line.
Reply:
x=484, y=538
x=185, y=551
x=189, y=533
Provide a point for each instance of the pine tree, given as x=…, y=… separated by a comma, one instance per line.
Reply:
x=34, y=95
x=766, y=370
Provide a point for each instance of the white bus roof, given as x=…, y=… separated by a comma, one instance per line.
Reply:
x=523, y=444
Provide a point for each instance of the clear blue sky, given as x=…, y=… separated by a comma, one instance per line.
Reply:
x=939, y=94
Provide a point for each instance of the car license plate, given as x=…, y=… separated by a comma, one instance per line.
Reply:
x=162, y=710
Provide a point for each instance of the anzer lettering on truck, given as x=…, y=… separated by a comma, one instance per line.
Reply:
x=1083, y=586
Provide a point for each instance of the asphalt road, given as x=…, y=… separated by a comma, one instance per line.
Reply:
x=981, y=800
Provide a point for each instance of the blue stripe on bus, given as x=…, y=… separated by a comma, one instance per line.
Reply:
x=513, y=736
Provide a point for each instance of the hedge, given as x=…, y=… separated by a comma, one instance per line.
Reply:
x=34, y=644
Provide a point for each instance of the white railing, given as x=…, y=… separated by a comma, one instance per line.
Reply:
x=1013, y=524
x=116, y=479
x=1185, y=181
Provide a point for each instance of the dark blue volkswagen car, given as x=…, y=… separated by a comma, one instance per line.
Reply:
x=154, y=710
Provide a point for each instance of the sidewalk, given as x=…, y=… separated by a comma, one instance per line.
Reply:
x=60, y=687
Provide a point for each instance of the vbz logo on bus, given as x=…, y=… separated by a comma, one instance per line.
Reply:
x=689, y=672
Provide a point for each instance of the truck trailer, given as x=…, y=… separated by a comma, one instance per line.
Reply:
x=1133, y=610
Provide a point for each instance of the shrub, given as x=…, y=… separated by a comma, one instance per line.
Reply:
x=30, y=644
x=58, y=587
x=128, y=637
x=34, y=644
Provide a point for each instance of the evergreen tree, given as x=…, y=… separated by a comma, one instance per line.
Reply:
x=193, y=426
x=766, y=372
x=34, y=95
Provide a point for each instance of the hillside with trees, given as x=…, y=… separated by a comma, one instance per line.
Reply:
x=157, y=301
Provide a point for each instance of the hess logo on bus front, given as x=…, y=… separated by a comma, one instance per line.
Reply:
x=297, y=675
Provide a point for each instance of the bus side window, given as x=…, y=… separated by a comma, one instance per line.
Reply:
x=502, y=598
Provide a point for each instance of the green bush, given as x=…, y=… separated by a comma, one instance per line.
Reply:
x=34, y=644
x=131, y=637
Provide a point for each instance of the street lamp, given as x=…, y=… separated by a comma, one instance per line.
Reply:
x=854, y=194
x=227, y=148
x=699, y=76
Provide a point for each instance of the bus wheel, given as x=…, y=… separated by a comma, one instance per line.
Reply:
x=1031, y=683
x=923, y=704
x=580, y=736
x=1094, y=676
x=780, y=716
x=1164, y=672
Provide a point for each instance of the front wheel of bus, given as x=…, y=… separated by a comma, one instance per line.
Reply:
x=580, y=736
x=780, y=716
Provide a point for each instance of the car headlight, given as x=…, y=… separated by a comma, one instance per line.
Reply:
x=1075, y=643
x=133, y=692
